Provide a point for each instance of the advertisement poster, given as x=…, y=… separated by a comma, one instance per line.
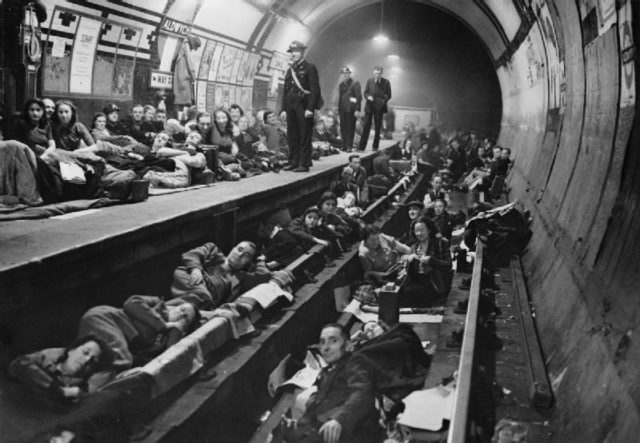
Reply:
x=242, y=68
x=225, y=97
x=236, y=66
x=84, y=51
x=211, y=97
x=226, y=63
x=203, y=72
x=232, y=96
x=247, y=94
x=218, y=98
x=201, y=95
x=252, y=67
x=215, y=62
x=627, y=73
x=279, y=61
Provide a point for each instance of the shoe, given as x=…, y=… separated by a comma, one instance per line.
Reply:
x=289, y=168
x=301, y=169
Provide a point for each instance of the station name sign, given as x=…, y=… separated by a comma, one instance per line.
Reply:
x=175, y=27
x=161, y=79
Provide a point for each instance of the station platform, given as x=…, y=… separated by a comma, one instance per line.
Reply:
x=51, y=270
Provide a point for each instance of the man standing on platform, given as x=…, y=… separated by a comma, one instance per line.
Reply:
x=348, y=107
x=377, y=93
x=300, y=99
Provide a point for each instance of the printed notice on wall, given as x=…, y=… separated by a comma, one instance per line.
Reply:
x=84, y=50
x=58, y=46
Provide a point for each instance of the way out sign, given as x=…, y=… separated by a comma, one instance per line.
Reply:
x=161, y=80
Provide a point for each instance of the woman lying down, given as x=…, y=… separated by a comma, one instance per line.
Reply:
x=109, y=341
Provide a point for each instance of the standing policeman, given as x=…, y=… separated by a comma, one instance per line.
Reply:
x=301, y=98
x=348, y=107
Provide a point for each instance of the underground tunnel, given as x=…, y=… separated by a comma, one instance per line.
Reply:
x=554, y=81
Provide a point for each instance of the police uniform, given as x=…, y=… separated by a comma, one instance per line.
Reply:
x=348, y=104
x=295, y=102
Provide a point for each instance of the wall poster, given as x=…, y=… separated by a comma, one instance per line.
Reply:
x=226, y=63
x=83, y=56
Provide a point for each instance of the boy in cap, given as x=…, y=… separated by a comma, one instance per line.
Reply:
x=300, y=99
x=348, y=107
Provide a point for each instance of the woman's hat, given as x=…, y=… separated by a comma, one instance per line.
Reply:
x=111, y=107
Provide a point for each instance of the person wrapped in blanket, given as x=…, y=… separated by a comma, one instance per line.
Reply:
x=348, y=205
x=346, y=183
x=143, y=328
x=208, y=278
x=62, y=373
x=183, y=155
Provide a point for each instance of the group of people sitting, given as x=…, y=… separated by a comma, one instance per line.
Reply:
x=51, y=156
x=464, y=161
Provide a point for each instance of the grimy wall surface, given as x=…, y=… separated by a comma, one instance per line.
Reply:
x=576, y=168
x=567, y=71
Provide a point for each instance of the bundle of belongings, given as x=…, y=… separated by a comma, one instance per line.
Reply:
x=502, y=229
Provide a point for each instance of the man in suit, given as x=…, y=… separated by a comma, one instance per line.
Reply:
x=300, y=99
x=377, y=93
x=343, y=408
x=348, y=107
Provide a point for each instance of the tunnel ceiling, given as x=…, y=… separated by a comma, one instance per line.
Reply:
x=496, y=22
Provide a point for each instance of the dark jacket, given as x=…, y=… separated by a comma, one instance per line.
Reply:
x=307, y=74
x=283, y=248
x=345, y=394
x=349, y=89
x=381, y=93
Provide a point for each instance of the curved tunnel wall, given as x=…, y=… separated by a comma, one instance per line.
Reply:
x=570, y=149
x=567, y=73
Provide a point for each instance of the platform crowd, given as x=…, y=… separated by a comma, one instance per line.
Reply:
x=49, y=155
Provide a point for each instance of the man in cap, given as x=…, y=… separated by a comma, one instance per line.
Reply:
x=348, y=107
x=300, y=99
x=377, y=92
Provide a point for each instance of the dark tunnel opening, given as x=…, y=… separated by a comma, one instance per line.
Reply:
x=441, y=63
